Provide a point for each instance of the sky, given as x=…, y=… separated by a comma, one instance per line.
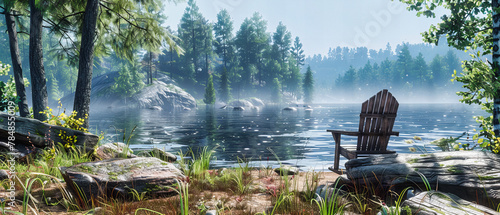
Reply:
x=322, y=24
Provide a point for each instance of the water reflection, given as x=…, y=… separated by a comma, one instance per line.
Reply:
x=297, y=137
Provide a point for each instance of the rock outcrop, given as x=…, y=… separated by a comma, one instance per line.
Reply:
x=241, y=103
x=162, y=94
x=117, y=177
x=436, y=203
x=166, y=96
x=257, y=102
x=471, y=175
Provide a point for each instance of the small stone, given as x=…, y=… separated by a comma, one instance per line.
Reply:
x=287, y=170
x=158, y=108
x=3, y=174
x=211, y=212
x=238, y=108
x=114, y=150
x=290, y=109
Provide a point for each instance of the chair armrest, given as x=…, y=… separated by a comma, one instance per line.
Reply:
x=350, y=133
x=356, y=133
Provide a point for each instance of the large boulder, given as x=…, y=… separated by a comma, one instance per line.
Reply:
x=471, y=175
x=31, y=132
x=163, y=93
x=241, y=103
x=167, y=96
x=436, y=203
x=117, y=177
x=257, y=102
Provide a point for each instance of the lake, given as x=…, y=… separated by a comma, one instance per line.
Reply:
x=295, y=137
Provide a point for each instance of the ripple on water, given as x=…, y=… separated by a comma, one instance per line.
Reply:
x=291, y=136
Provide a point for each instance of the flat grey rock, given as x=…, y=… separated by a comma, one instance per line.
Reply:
x=471, y=175
x=437, y=203
x=117, y=177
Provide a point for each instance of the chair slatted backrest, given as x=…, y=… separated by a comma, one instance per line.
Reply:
x=377, y=119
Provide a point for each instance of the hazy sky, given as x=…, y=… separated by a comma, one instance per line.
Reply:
x=322, y=24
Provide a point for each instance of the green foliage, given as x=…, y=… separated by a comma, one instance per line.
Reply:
x=276, y=91
x=129, y=81
x=469, y=28
x=297, y=52
x=209, y=91
x=225, y=89
x=199, y=164
x=331, y=205
x=223, y=30
x=308, y=86
x=8, y=93
x=450, y=143
x=183, y=191
x=4, y=68
x=397, y=209
x=68, y=121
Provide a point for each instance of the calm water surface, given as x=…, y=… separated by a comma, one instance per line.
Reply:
x=297, y=138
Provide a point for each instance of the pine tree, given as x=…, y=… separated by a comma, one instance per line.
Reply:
x=225, y=89
x=209, y=91
x=298, y=52
x=276, y=91
x=129, y=81
x=223, y=29
x=308, y=86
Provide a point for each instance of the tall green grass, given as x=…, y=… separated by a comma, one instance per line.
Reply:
x=331, y=204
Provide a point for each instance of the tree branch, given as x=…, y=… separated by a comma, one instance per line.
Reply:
x=128, y=21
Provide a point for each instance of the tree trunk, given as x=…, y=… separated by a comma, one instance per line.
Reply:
x=86, y=61
x=37, y=71
x=496, y=65
x=150, y=68
x=16, y=64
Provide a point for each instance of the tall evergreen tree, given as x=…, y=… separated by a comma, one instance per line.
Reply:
x=403, y=68
x=276, y=91
x=281, y=43
x=251, y=41
x=225, y=89
x=223, y=30
x=420, y=71
x=129, y=80
x=209, y=91
x=298, y=53
x=308, y=86
x=438, y=71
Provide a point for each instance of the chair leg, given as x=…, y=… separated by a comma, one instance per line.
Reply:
x=336, y=137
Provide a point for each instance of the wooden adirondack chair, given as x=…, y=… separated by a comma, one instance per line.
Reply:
x=375, y=127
